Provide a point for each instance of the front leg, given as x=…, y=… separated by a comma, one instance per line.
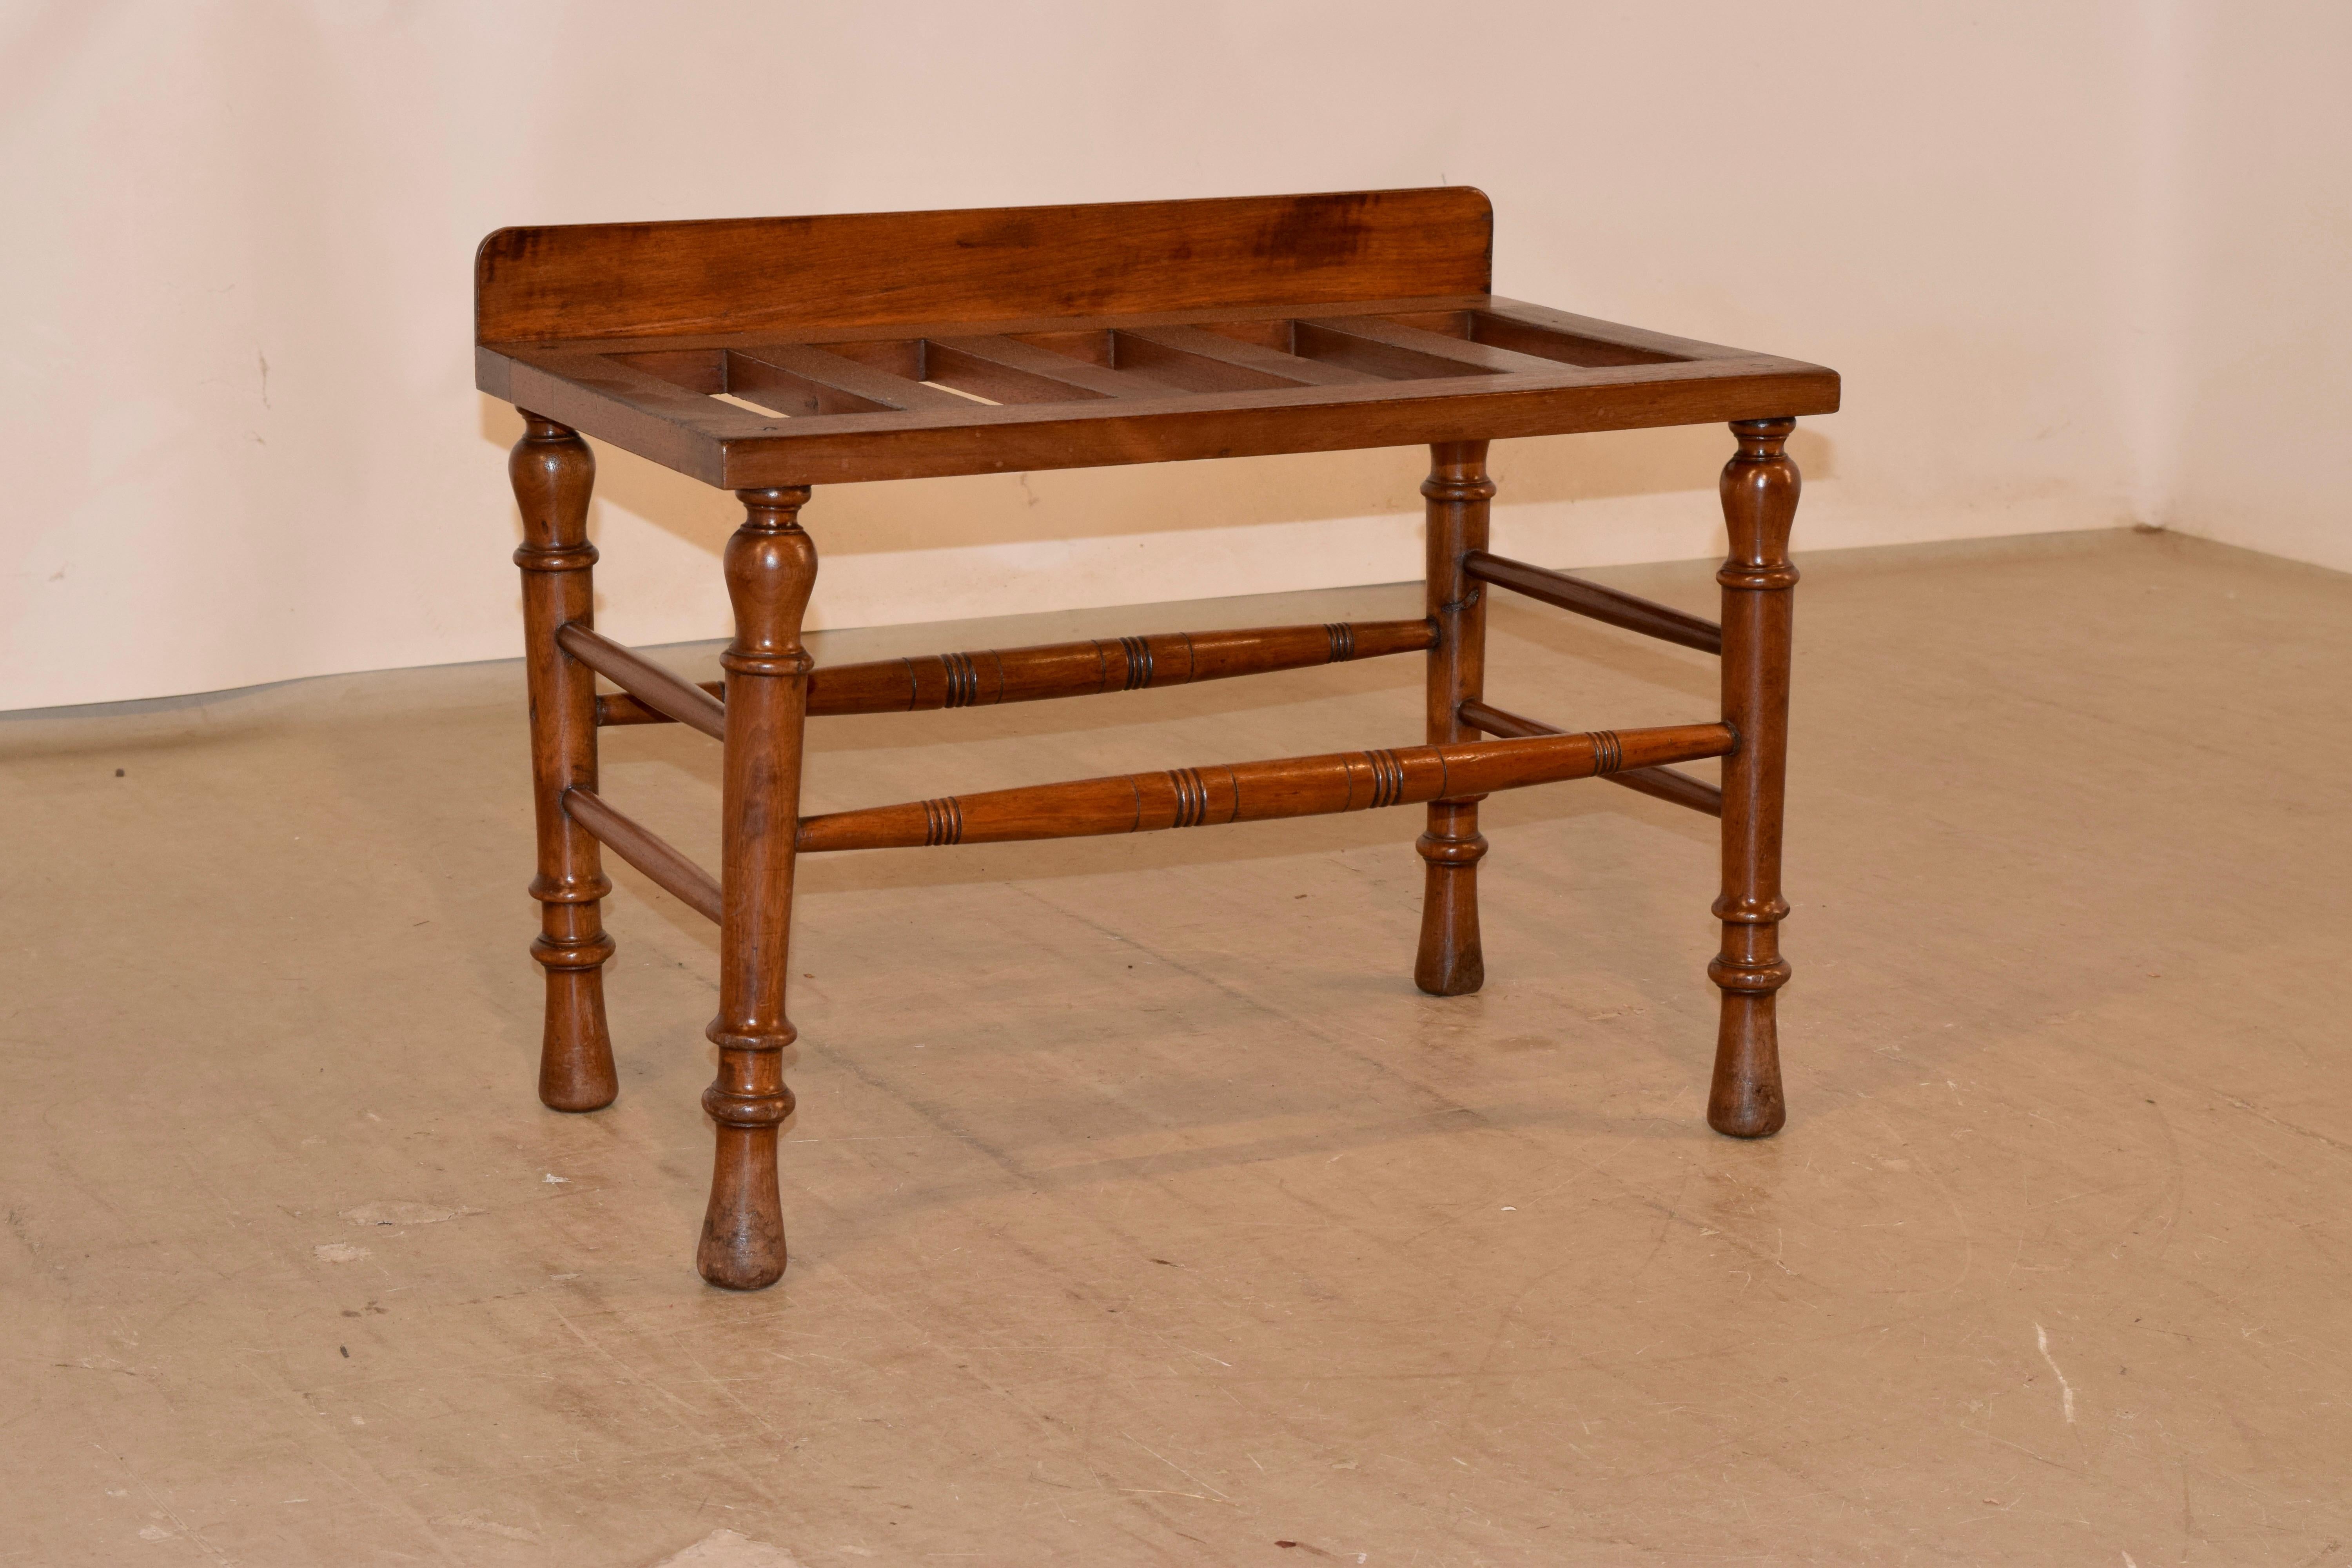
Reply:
x=552, y=471
x=770, y=567
x=1760, y=504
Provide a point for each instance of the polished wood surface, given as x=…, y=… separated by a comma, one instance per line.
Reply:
x=656, y=280
x=1222, y=328
x=1450, y=960
x=553, y=470
x=1253, y=791
x=768, y=355
x=647, y=687
x=1070, y=669
x=618, y=391
x=1612, y=606
x=1663, y=784
x=771, y=568
x=1760, y=504
x=647, y=851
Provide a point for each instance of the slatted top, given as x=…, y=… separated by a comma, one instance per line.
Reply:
x=822, y=351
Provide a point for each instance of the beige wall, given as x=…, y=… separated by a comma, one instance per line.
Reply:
x=2256, y=417
x=242, y=444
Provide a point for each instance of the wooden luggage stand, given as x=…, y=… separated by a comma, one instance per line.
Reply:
x=884, y=346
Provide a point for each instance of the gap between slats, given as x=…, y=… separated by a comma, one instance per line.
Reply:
x=796, y=380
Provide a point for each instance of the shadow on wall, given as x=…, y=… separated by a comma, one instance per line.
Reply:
x=1169, y=498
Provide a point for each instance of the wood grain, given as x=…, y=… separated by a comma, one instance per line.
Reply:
x=992, y=675
x=648, y=684
x=767, y=355
x=1253, y=791
x=1450, y=960
x=1612, y=606
x=647, y=851
x=1127, y=332
x=770, y=569
x=1760, y=505
x=1661, y=784
x=552, y=471
x=737, y=274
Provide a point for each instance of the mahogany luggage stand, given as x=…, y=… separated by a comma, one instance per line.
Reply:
x=770, y=356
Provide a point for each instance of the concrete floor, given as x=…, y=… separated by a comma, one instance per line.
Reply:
x=1141, y=1210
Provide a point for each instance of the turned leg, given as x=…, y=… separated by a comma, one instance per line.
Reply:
x=1760, y=503
x=770, y=567
x=552, y=471
x=1449, y=962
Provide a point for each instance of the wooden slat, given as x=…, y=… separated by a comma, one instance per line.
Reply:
x=648, y=682
x=536, y=384
x=1053, y=376
x=655, y=394
x=1440, y=346
x=1614, y=606
x=676, y=875
x=801, y=364
x=1324, y=341
x=741, y=451
x=1549, y=344
x=1074, y=668
x=1191, y=371
x=1287, y=368
x=1664, y=783
x=997, y=380
x=1557, y=346
x=855, y=449
x=1617, y=333
x=1249, y=791
x=700, y=371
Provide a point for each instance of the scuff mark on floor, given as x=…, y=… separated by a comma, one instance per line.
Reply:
x=486, y=1527
x=730, y=1549
x=403, y=1214
x=2065, y=1389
